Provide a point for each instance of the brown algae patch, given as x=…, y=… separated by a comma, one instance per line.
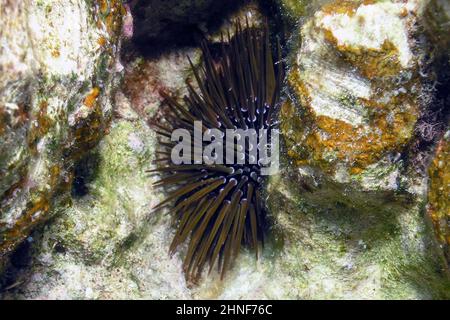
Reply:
x=364, y=104
x=91, y=98
x=438, y=195
x=326, y=141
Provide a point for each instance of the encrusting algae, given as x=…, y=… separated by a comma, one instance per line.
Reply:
x=337, y=116
x=439, y=193
x=64, y=109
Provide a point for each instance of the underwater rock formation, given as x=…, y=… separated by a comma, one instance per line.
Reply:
x=358, y=85
x=438, y=194
x=107, y=244
x=57, y=67
x=349, y=209
x=355, y=203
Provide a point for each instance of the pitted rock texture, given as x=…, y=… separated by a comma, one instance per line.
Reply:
x=348, y=220
x=57, y=66
x=357, y=95
x=357, y=84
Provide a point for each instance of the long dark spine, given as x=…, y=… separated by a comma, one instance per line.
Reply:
x=217, y=208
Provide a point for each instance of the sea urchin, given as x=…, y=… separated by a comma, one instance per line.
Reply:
x=219, y=206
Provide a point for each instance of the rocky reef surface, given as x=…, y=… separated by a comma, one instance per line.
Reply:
x=360, y=208
x=58, y=62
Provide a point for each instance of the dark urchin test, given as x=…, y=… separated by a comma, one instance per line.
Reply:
x=219, y=207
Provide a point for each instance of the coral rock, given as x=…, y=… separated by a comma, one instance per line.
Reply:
x=54, y=102
x=438, y=194
x=356, y=82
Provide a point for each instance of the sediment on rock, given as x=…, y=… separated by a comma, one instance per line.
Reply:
x=58, y=65
x=352, y=215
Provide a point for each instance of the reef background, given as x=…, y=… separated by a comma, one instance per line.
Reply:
x=360, y=208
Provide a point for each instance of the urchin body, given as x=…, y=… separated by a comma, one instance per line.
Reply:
x=218, y=206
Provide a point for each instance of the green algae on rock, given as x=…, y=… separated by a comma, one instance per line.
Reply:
x=357, y=95
x=98, y=225
x=341, y=230
x=106, y=245
x=296, y=10
x=55, y=85
x=354, y=244
x=436, y=19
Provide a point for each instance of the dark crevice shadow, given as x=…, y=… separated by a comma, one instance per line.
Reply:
x=172, y=31
x=163, y=27
x=434, y=118
x=19, y=260
x=85, y=171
